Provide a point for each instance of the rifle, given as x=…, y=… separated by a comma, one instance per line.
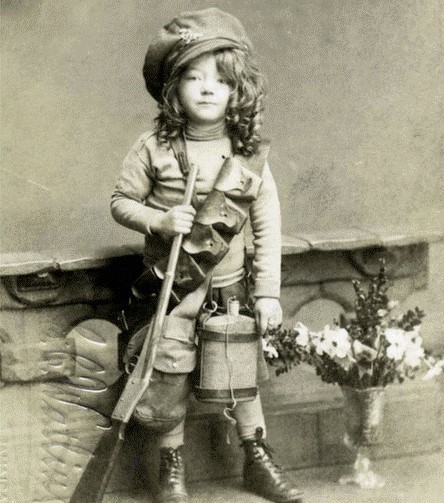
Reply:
x=98, y=471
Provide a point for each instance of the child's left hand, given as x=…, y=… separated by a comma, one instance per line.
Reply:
x=268, y=313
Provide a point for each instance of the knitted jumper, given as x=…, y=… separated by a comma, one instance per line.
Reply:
x=151, y=182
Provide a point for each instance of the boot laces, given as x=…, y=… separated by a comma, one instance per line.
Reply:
x=264, y=452
x=172, y=461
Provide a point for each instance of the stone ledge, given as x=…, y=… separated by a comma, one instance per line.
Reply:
x=354, y=238
x=101, y=255
x=64, y=260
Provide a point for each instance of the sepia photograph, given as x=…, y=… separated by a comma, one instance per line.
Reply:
x=222, y=251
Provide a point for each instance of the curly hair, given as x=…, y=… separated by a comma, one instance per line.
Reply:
x=243, y=116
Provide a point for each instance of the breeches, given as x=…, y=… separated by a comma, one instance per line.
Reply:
x=164, y=405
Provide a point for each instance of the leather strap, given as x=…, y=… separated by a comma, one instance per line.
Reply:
x=208, y=335
x=255, y=162
x=225, y=394
x=180, y=153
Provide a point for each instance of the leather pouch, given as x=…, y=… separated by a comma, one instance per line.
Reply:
x=238, y=182
x=221, y=213
x=204, y=243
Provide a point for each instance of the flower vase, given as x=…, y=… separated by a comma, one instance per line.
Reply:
x=363, y=413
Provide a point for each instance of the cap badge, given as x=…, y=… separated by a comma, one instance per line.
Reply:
x=188, y=35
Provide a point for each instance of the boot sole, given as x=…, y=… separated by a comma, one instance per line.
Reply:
x=296, y=499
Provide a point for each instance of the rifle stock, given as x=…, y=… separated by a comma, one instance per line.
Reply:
x=94, y=480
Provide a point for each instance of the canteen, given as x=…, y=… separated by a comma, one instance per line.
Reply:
x=227, y=357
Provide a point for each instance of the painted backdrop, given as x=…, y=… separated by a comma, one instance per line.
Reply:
x=353, y=111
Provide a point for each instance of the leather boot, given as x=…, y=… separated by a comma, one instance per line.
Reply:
x=263, y=477
x=171, y=477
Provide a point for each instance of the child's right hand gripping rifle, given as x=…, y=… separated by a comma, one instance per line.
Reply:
x=177, y=220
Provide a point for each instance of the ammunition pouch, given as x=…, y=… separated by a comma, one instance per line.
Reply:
x=221, y=216
x=219, y=212
x=205, y=244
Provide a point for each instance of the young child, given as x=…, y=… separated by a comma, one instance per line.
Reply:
x=200, y=71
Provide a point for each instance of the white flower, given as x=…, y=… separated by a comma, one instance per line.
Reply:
x=414, y=354
x=317, y=339
x=435, y=370
x=414, y=338
x=382, y=312
x=416, y=329
x=270, y=350
x=336, y=342
x=398, y=341
x=302, y=338
x=392, y=304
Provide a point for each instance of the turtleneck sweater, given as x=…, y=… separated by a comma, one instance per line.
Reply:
x=214, y=132
x=151, y=182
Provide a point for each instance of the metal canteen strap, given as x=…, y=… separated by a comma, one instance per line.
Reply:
x=205, y=243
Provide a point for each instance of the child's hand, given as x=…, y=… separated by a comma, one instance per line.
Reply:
x=268, y=313
x=177, y=220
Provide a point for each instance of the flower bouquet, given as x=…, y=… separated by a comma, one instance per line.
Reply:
x=363, y=355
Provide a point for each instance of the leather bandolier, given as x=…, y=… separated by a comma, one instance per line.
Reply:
x=219, y=217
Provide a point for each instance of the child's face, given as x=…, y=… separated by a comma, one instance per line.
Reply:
x=203, y=93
